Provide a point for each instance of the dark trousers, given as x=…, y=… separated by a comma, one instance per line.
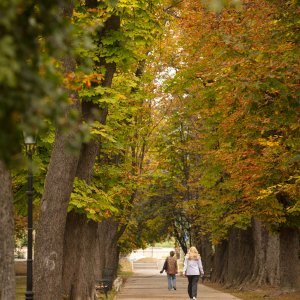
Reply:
x=192, y=287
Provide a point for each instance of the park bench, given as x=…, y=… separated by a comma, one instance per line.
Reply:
x=104, y=285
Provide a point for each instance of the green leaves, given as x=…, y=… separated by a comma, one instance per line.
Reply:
x=92, y=201
x=29, y=41
x=8, y=65
x=102, y=131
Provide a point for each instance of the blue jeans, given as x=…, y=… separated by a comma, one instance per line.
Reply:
x=171, y=281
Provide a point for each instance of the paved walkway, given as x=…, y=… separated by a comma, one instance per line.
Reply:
x=149, y=284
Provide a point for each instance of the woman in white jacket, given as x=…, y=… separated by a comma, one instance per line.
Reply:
x=192, y=270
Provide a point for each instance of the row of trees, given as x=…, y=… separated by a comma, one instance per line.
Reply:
x=24, y=98
x=228, y=146
x=77, y=80
x=155, y=119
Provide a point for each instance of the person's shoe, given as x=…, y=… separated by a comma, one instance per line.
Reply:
x=174, y=287
x=194, y=298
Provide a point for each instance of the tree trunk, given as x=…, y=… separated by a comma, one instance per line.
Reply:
x=289, y=258
x=258, y=256
x=48, y=261
x=50, y=232
x=79, y=273
x=272, y=259
x=79, y=258
x=80, y=287
x=233, y=259
x=266, y=257
x=220, y=265
x=108, y=246
x=206, y=252
x=240, y=256
x=7, y=271
x=260, y=241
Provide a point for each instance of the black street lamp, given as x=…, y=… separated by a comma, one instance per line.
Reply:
x=30, y=144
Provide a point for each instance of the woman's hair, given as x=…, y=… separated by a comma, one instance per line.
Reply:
x=193, y=253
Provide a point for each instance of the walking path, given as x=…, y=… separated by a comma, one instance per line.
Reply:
x=149, y=284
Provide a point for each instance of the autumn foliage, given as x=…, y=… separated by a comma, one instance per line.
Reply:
x=155, y=119
x=235, y=100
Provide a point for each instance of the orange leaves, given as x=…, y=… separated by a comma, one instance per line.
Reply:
x=78, y=81
x=92, y=79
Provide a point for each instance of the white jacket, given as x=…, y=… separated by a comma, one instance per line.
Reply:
x=192, y=267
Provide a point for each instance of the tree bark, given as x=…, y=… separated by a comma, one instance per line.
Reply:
x=79, y=258
x=272, y=259
x=289, y=258
x=79, y=278
x=206, y=252
x=257, y=257
x=260, y=241
x=108, y=245
x=233, y=259
x=7, y=271
x=82, y=287
x=266, y=255
x=48, y=265
x=96, y=253
x=240, y=256
x=51, y=226
x=220, y=265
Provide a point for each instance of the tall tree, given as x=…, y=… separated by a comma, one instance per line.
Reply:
x=111, y=46
x=58, y=187
x=31, y=36
x=7, y=268
x=79, y=281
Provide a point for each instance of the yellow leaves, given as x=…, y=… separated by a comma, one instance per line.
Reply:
x=240, y=220
x=89, y=19
x=291, y=191
x=265, y=193
x=204, y=202
x=78, y=15
x=90, y=211
x=285, y=47
x=295, y=126
x=270, y=142
x=260, y=57
x=295, y=209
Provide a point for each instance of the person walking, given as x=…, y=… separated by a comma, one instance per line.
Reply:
x=192, y=269
x=171, y=268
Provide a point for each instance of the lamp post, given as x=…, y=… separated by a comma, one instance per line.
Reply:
x=30, y=143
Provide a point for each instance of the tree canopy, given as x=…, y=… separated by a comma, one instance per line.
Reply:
x=180, y=118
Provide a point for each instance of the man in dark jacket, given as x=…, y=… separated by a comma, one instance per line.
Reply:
x=170, y=266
